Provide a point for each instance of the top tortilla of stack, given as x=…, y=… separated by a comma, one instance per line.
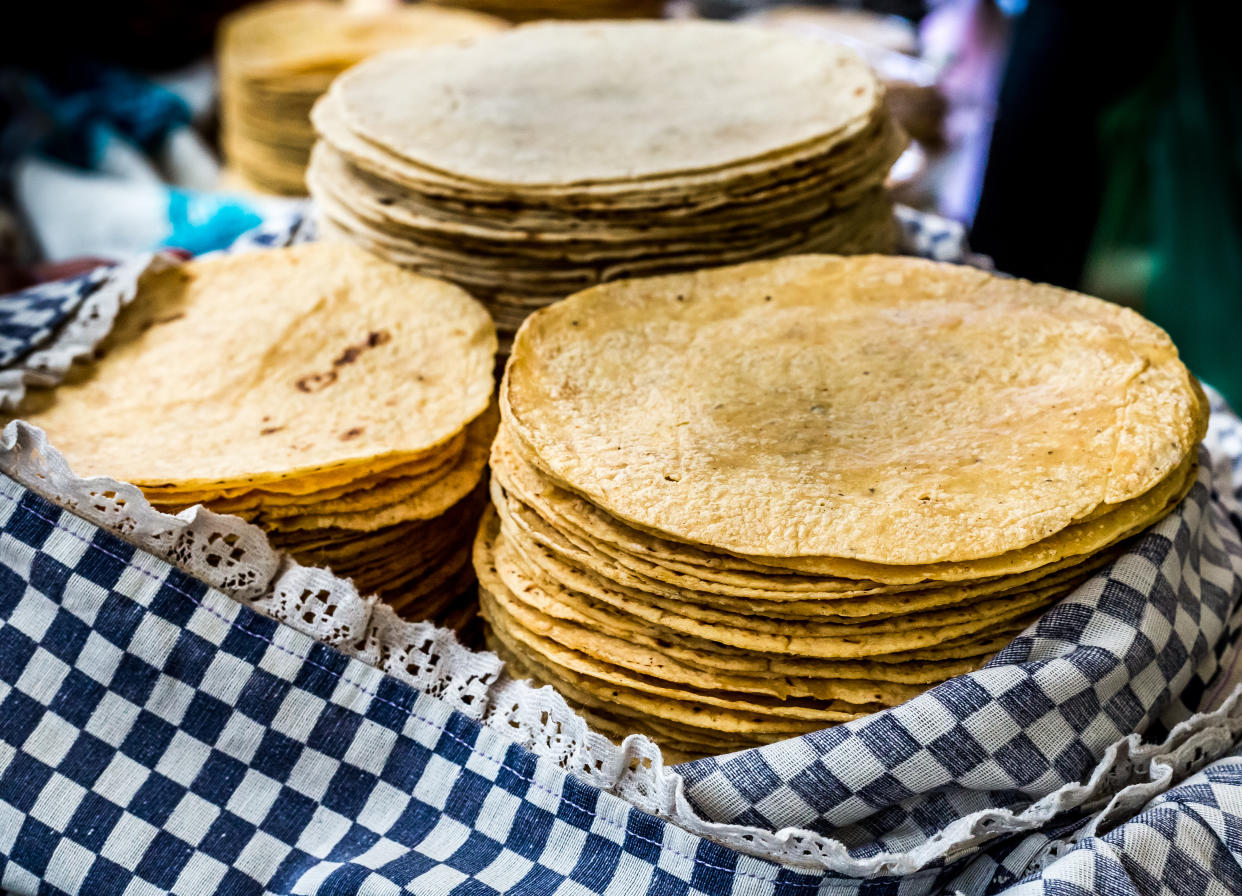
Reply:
x=884, y=412
x=293, y=370
x=501, y=114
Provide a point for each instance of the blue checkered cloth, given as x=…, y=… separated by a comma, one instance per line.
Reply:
x=30, y=318
x=158, y=736
x=1133, y=649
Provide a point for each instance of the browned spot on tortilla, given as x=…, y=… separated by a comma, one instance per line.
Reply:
x=351, y=433
x=349, y=356
x=268, y=430
x=313, y=382
x=374, y=339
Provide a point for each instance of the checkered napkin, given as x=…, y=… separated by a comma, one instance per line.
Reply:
x=29, y=318
x=45, y=329
x=157, y=736
x=1133, y=649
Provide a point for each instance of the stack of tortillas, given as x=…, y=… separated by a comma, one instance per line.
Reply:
x=527, y=10
x=738, y=505
x=338, y=401
x=277, y=58
x=536, y=162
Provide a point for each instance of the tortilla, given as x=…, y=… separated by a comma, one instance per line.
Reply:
x=888, y=410
x=276, y=58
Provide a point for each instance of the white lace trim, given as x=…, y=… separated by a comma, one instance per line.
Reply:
x=1142, y=772
x=77, y=339
x=235, y=558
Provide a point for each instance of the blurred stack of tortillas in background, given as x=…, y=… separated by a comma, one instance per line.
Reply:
x=337, y=401
x=892, y=47
x=276, y=59
x=860, y=28
x=530, y=164
x=742, y=504
x=889, y=44
x=529, y=10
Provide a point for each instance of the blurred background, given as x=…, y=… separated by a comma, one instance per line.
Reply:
x=1096, y=146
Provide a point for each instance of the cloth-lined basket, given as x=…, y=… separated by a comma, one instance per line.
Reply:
x=184, y=710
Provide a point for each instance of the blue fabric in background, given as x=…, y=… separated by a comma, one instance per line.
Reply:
x=107, y=152
x=204, y=222
x=73, y=119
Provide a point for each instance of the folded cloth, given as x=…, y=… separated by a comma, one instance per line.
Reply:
x=30, y=317
x=183, y=709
